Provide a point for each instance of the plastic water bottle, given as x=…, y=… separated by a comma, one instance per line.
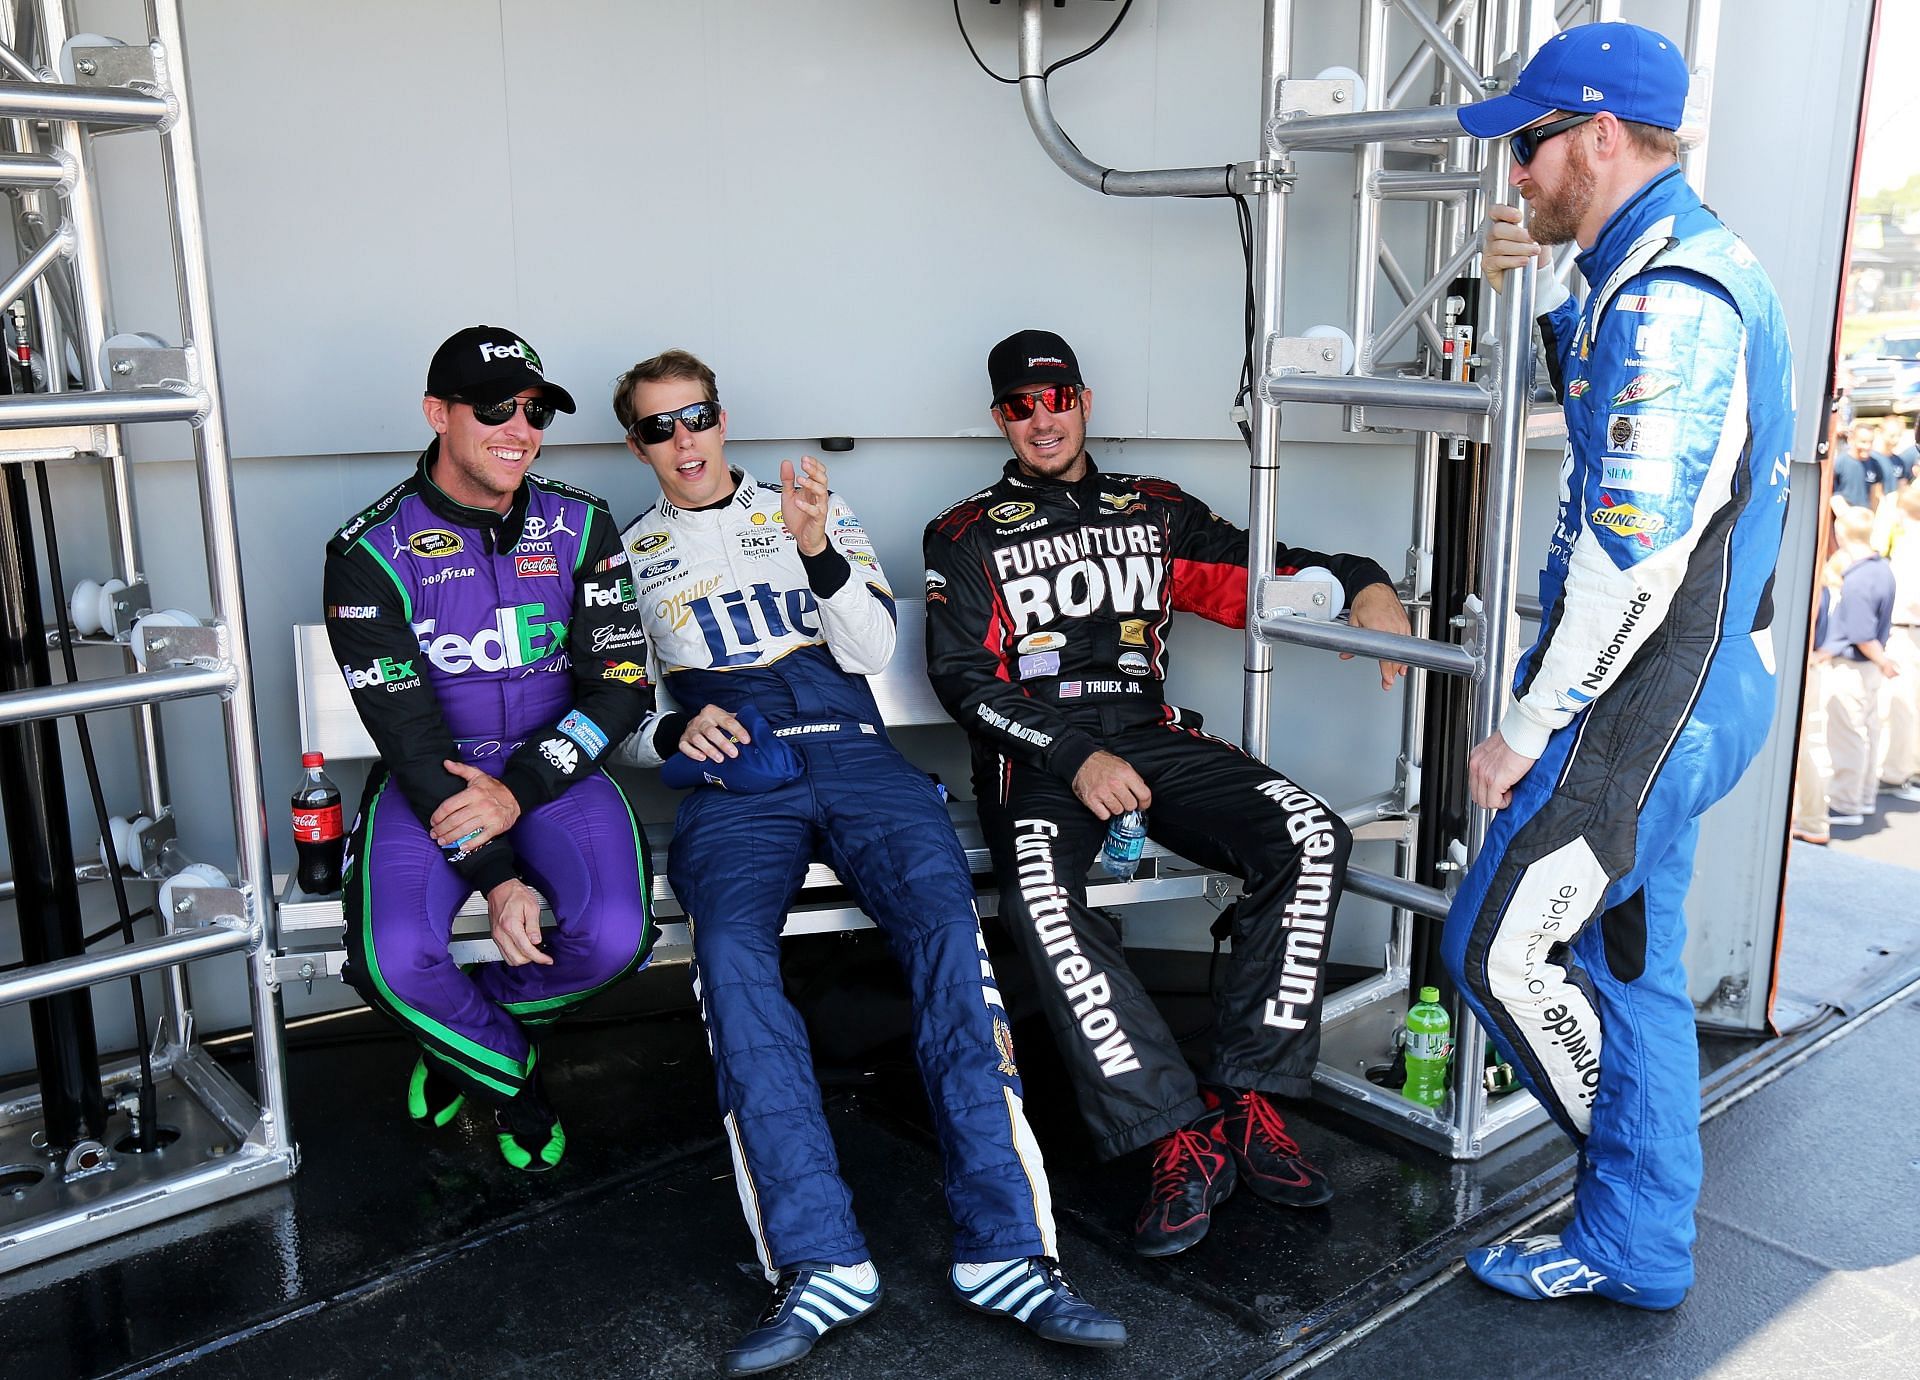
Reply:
x=318, y=834
x=1429, y=1050
x=1126, y=838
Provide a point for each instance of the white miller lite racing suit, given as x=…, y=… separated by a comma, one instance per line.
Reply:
x=736, y=616
x=1047, y=615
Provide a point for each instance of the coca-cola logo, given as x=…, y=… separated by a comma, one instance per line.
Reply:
x=320, y=825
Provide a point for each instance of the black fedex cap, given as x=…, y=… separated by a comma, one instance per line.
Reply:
x=487, y=364
x=1030, y=357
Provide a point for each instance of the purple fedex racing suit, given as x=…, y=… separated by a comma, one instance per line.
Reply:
x=506, y=640
x=737, y=616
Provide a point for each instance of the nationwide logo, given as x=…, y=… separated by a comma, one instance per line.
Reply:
x=626, y=672
x=1641, y=387
x=1628, y=521
x=530, y=567
x=1006, y=514
x=435, y=543
x=651, y=543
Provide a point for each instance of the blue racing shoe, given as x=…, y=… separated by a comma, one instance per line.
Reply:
x=808, y=1302
x=1540, y=1267
x=1035, y=1292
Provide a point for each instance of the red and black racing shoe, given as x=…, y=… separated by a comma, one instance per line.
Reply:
x=1192, y=1173
x=1271, y=1159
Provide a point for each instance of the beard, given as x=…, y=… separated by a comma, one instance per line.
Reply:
x=1553, y=218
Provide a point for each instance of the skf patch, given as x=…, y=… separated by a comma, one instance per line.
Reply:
x=1641, y=387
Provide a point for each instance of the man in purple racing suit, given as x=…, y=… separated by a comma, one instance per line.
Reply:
x=483, y=619
x=766, y=610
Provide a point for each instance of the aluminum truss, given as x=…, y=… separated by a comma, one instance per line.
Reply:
x=56, y=95
x=1456, y=392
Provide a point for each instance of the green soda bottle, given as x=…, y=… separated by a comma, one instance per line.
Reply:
x=1429, y=1050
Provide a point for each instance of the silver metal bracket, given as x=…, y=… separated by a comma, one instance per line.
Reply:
x=1302, y=598
x=129, y=367
x=135, y=66
x=306, y=968
x=1472, y=622
x=169, y=646
x=159, y=832
x=28, y=444
x=1315, y=96
x=1302, y=354
x=231, y=908
x=128, y=604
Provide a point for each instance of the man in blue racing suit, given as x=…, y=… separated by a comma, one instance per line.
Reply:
x=1651, y=685
x=766, y=609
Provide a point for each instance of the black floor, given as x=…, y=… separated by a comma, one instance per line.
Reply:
x=398, y=1252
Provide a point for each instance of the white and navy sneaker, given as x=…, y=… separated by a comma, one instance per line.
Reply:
x=1541, y=1267
x=808, y=1302
x=1035, y=1292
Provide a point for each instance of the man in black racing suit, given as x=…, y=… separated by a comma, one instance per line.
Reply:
x=1048, y=602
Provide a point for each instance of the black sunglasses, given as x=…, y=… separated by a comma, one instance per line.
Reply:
x=700, y=416
x=500, y=413
x=1525, y=143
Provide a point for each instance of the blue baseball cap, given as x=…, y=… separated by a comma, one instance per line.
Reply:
x=765, y=762
x=1631, y=72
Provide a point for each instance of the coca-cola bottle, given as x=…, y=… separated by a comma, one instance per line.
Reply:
x=317, y=831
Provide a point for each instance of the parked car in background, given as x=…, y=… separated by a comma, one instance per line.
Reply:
x=1885, y=375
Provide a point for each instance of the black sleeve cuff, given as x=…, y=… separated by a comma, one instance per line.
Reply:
x=826, y=572
x=1070, y=754
x=668, y=732
x=493, y=865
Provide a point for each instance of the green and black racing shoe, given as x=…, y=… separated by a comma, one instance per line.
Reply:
x=531, y=1137
x=432, y=1098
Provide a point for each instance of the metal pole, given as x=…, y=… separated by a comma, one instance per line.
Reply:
x=46, y=901
x=92, y=330
x=1466, y=398
x=94, y=409
x=1069, y=159
x=182, y=179
x=89, y=104
x=1367, y=126
x=1342, y=637
x=113, y=692
x=1366, y=239
x=56, y=246
x=1269, y=250
x=72, y=974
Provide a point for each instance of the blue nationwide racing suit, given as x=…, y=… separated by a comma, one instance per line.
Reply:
x=735, y=615
x=1649, y=690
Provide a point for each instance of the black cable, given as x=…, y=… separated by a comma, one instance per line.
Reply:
x=1051, y=68
x=1091, y=48
x=979, y=62
x=149, y=1100
x=144, y=913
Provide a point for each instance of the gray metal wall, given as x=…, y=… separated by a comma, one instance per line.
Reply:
x=830, y=202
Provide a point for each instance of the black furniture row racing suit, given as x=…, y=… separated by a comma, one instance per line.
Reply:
x=1047, y=616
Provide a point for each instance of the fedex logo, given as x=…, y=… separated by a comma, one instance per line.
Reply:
x=518, y=350
x=738, y=623
x=519, y=636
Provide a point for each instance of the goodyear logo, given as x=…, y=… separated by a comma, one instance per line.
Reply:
x=435, y=543
x=1641, y=387
x=1006, y=514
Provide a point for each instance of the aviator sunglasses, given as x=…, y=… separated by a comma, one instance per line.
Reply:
x=1526, y=142
x=500, y=413
x=700, y=416
x=1057, y=397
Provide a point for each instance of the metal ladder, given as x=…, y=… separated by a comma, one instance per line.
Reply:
x=229, y=1142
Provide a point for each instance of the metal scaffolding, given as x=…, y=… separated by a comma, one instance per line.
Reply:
x=56, y=94
x=1462, y=396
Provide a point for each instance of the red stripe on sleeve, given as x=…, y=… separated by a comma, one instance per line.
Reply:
x=1212, y=589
